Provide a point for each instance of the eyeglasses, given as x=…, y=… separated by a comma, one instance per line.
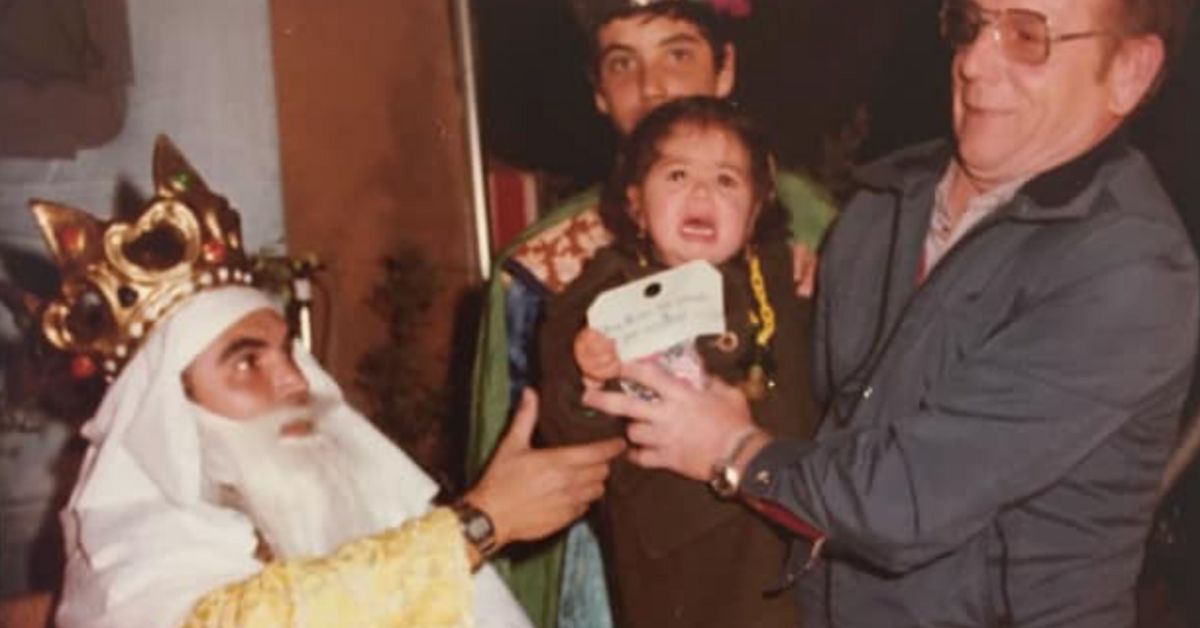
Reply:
x=1024, y=35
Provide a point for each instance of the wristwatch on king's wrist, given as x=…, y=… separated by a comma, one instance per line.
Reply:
x=477, y=527
x=724, y=477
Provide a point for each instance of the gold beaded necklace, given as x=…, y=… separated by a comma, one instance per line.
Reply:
x=758, y=380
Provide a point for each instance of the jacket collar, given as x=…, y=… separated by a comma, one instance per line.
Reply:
x=1052, y=195
x=1056, y=193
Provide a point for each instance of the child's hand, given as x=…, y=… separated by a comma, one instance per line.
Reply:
x=596, y=356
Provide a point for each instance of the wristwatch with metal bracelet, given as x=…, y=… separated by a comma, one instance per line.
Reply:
x=725, y=477
x=477, y=527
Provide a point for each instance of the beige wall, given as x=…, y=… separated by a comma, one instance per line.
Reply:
x=373, y=153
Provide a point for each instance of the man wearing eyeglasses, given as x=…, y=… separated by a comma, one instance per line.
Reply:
x=1004, y=341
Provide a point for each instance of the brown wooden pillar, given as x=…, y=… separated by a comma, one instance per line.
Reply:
x=373, y=154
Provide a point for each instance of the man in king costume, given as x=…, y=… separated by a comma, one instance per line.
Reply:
x=227, y=482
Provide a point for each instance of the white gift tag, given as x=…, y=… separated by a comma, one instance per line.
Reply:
x=654, y=313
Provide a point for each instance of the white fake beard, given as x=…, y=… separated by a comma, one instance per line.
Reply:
x=300, y=491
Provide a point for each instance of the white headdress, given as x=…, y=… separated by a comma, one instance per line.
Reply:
x=142, y=544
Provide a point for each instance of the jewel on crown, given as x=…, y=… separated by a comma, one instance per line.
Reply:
x=120, y=277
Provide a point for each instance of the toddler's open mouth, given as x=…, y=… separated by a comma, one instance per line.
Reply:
x=701, y=229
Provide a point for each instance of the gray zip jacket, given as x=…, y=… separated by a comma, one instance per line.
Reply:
x=993, y=435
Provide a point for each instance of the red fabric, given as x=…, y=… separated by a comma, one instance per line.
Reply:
x=785, y=518
x=511, y=203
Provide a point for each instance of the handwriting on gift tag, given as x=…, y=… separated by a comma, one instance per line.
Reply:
x=651, y=314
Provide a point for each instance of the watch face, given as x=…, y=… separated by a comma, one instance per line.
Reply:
x=724, y=480
x=478, y=527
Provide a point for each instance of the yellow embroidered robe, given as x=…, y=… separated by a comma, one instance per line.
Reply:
x=415, y=575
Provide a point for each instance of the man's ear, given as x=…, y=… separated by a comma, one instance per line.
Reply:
x=1132, y=72
x=601, y=101
x=727, y=73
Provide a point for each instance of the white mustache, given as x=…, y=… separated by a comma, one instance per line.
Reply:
x=273, y=422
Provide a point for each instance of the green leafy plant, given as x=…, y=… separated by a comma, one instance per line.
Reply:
x=404, y=401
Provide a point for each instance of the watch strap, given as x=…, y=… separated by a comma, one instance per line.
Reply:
x=740, y=444
x=725, y=479
x=477, y=526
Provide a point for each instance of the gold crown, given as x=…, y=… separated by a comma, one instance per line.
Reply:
x=120, y=277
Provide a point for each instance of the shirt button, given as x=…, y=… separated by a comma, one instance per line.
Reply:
x=867, y=392
x=763, y=477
